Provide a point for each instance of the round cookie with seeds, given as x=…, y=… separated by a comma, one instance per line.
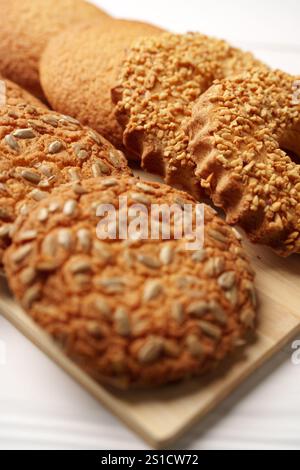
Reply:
x=26, y=27
x=39, y=150
x=141, y=311
x=12, y=94
x=90, y=57
x=159, y=82
x=245, y=143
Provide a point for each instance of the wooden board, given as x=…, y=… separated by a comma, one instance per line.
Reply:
x=161, y=416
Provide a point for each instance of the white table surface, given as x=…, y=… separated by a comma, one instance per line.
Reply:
x=42, y=408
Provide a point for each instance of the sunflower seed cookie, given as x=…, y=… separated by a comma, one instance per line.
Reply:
x=160, y=80
x=90, y=57
x=39, y=150
x=25, y=28
x=245, y=143
x=12, y=94
x=140, y=312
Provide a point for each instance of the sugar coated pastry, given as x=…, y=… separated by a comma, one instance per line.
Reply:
x=12, y=94
x=90, y=57
x=245, y=143
x=25, y=28
x=39, y=150
x=140, y=312
x=160, y=80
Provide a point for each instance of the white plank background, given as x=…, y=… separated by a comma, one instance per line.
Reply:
x=42, y=408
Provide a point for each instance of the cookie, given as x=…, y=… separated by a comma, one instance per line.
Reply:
x=140, y=312
x=89, y=57
x=12, y=94
x=160, y=80
x=245, y=142
x=39, y=150
x=25, y=28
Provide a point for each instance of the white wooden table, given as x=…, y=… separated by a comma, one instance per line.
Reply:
x=42, y=408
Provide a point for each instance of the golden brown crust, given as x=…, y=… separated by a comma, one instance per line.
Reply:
x=160, y=80
x=139, y=313
x=13, y=94
x=25, y=28
x=39, y=150
x=242, y=132
x=90, y=57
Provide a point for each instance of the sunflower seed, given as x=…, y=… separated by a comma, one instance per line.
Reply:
x=151, y=350
x=139, y=198
x=102, y=307
x=214, y=267
x=218, y=312
x=64, y=238
x=54, y=206
x=115, y=158
x=107, y=183
x=27, y=236
x=184, y=282
x=38, y=195
x=47, y=265
x=80, y=152
x=122, y=323
x=30, y=176
x=69, y=119
x=145, y=187
x=199, y=256
x=198, y=309
x=70, y=207
x=149, y=261
x=84, y=238
x=247, y=318
x=177, y=312
x=249, y=286
x=74, y=174
x=210, y=330
x=112, y=286
x=27, y=276
x=232, y=296
x=5, y=231
x=100, y=168
x=237, y=234
x=43, y=215
x=55, y=147
x=95, y=137
x=94, y=329
x=12, y=142
x=49, y=245
x=50, y=120
x=152, y=290
x=46, y=170
x=24, y=210
x=24, y=134
x=32, y=294
x=194, y=346
x=78, y=189
x=80, y=266
x=227, y=280
x=166, y=255
x=218, y=236
x=21, y=253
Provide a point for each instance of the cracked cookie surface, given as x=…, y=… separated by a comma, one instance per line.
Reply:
x=140, y=312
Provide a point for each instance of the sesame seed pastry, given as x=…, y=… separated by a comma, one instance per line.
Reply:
x=140, y=312
x=159, y=81
x=245, y=143
x=13, y=94
x=39, y=150
x=90, y=57
x=25, y=29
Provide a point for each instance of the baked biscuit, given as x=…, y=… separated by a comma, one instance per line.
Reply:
x=12, y=94
x=39, y=150
x=160, y=80
x=140, y=312
x=90, y=57
x=25, y=28
x=245, y=143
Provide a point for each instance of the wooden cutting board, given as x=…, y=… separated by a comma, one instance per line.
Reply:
x=161, y=416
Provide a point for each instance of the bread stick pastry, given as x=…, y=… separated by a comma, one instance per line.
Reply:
x=90, y=57
x=159, y=82
x=25, y=28
x=140, y=312
x=12, y=94
x=39, y=150
x=245, y=143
